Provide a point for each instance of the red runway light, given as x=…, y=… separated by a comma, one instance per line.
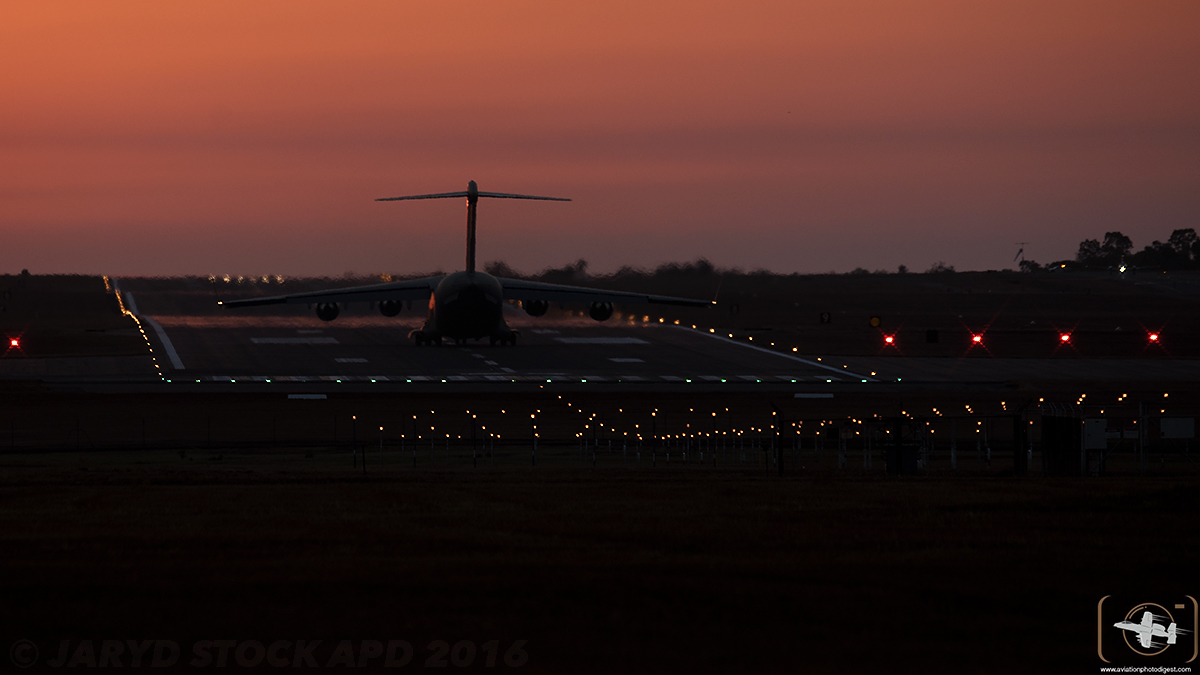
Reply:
x=976, y=338
x=1065, y=337
x=14, y=343
x=1154, y=337
x=889, y=339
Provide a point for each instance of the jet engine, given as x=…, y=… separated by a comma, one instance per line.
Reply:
x=327, y=311
x=600, y=311
x=389, y=307
x=535, y=307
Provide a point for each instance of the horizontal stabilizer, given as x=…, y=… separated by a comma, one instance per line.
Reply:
x=441, y=195
x=496, y=195
x=501, y=195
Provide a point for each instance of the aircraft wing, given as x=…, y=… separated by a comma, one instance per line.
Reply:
x=517, y=289
x=413, y=289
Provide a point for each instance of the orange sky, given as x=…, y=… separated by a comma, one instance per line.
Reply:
x=232, y=137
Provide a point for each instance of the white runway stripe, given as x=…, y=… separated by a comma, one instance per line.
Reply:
x=294, y=341
x=722, y=338
x=131, y=305
x=602, y=341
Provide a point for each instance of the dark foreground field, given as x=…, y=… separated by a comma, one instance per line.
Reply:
x=600, y=570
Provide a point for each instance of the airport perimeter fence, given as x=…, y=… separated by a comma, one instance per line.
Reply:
x=1056, y=445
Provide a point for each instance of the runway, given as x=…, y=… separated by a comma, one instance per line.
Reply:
x=362, y=350
x=373, y=353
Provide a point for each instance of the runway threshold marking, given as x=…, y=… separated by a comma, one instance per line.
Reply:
x=722, y=338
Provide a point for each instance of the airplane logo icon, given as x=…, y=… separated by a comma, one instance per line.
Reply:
x=1147, y=630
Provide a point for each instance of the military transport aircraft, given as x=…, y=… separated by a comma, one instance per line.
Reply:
x=466, y=305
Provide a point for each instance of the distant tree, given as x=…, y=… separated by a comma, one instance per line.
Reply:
x=499, y=268
x=903, y=269
x=939, y=267
x=1186, y=245
x=1108, y=253
x=1089, y=251
x=1116, y=246
x=576, y=271
x=1030, y=266
x=1178, y=253
x=700, y=267
x=860, y=270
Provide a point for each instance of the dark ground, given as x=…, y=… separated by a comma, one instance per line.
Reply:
x=259, y=526
x=600, y=570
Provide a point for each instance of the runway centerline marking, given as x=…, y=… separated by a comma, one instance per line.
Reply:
x=601, y=341
x=294, y=341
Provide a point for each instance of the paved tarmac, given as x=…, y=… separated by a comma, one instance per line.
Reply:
x=374, y=350
x=365, y=350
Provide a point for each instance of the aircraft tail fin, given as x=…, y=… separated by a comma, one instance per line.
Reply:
x=1171, y=633
x=472, y=194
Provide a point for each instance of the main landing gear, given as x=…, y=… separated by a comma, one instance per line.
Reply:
x=504, y=338
x=422, y=338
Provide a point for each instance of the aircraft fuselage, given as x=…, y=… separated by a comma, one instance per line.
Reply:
x=466, y=306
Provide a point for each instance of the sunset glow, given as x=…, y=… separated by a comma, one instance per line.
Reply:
x=251, y=138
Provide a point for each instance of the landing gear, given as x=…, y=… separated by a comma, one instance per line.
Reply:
x=504, y=338
x=421, y=338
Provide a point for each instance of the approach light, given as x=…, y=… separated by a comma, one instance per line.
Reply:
x=14, y=343
x=977, y=339
x=1064, y=337
x=1153, y=337
x=890, y=339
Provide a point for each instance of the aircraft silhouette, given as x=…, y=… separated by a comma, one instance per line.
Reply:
x=466, y=305
x=1147, y=630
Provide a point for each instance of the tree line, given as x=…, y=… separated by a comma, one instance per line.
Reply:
x=1181, y=251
